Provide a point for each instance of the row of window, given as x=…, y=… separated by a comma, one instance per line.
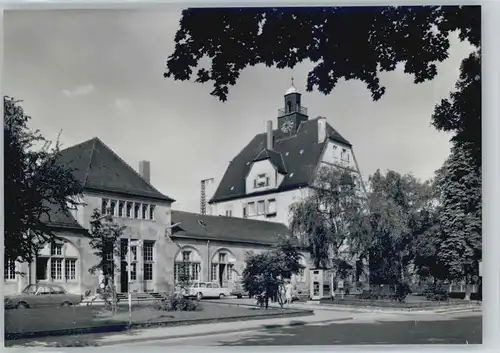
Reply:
x=128, y=209
x=261, y=207
x=218, y=272
x=55, y=268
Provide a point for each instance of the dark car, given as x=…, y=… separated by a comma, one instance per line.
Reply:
x=38, y=295
x=239, y=292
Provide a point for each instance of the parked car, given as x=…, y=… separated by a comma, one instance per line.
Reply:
x=201, y=290
x=239, y=292
x=39, y=295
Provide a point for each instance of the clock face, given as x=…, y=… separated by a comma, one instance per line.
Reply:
x=287, y=126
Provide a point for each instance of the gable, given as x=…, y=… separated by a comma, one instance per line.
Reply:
x=98, y=168
x=300, y=153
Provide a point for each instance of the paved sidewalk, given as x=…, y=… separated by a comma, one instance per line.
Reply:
x=353, y=309
x=147, y=335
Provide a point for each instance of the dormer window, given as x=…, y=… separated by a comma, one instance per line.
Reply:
x=261, y=181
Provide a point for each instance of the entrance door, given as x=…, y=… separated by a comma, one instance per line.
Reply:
x=222, y=271
x=123, y=278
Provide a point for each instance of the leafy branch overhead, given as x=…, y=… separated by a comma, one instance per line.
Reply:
x=351, y=43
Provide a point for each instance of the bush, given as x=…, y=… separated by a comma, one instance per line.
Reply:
x=436, y=292
x=173, y=302
x=402, y=291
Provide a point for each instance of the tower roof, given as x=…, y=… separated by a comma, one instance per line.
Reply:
x=97, y=167
x=291, y=90
x=300, y=154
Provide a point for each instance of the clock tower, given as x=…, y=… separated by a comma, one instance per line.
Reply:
x=293, y=114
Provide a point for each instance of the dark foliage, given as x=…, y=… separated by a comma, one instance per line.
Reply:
x=372, y=39
x=436, y=292
x=34, y=185
x=175, y=302
x=266, y=272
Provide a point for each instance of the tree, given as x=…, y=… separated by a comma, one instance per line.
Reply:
x=343, y=42
x=331, y=219
x=461, y=112
x=459, y=188
x=35, y=185
x=105, y=241
x=265, y=273
x=399, y=207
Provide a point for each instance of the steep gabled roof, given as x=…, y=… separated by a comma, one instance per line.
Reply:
x=99, y=168
x=300, y=155
x=274, y=157
x=221, y=228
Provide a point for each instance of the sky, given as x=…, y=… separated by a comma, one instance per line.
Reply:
x=99, y=73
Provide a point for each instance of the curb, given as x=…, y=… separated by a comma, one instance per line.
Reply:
x=366, y=309
x=291, y=324
x=173, y=323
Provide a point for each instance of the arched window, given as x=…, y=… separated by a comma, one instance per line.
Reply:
x=57, y=262
x=289, y=107
x=222, y=269
x=187, y=259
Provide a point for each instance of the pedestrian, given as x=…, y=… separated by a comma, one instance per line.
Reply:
x=288, y=292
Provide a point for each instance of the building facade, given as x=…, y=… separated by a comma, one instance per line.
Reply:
x=278, y=167
x=161, y=238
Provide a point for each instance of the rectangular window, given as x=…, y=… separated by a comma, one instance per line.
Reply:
x=244, y=211
x=147, y=254
x=148, y=251
x=145, y=211
x=129, y=209
x=121, y=208
x=133, y=248
x=137, y=210
x=344, y=155
x=251, y=208
x=195, y=271
x=271, y=206
x=148, y=271
x=133, y=272
x=112, y=206
x=176, y=271
x=229, y=213
x=229, y=272
x=261, y=207
x=152, y=212
x=213, y=272
x=56, y=268
x=10, y=270
x=56, y=249
x=104, y=206
x=70, y=269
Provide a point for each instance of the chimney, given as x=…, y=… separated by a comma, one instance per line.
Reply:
x=321, y=129
x=144, y=170
x=269, y=135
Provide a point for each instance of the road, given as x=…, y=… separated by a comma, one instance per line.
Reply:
x=395, y=330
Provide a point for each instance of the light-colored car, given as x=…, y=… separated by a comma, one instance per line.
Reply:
x=40, y=295
x=207, y=290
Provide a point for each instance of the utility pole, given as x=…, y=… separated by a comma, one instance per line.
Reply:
x=203, y=196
